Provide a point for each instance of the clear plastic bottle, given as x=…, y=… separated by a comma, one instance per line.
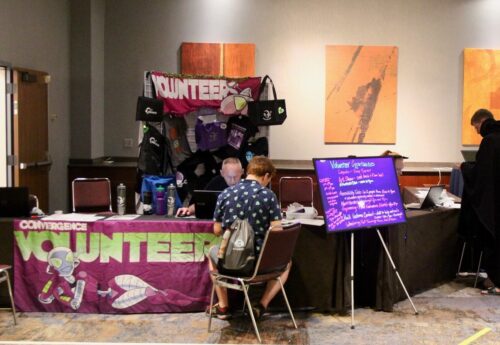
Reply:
x=121, y=193
x=160, y=200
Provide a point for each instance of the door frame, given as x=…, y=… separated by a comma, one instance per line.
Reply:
x=9, y=130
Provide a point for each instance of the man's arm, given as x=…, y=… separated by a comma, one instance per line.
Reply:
x=276, y=225
x=218, y=229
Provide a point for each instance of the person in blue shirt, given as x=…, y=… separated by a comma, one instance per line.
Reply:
x=234, y=202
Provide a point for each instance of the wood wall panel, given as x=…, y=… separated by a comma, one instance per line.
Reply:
x=239, y=60
x=201, y=58
x=233, y=60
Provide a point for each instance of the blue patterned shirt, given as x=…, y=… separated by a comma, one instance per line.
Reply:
x=248, y=199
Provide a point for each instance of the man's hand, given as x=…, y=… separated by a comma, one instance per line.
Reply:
x=185, y=211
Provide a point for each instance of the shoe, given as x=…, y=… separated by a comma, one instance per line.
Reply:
x=492, y=291
x=258, y=311
x=218, y=312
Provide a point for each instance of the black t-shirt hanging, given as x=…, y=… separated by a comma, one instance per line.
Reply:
x=239, y=130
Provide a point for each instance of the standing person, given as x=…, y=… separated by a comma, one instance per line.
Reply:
x=230, y=174
x=265, y=212
x=481, y=197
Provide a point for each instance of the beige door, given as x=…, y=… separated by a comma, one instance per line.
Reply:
x=31, y=133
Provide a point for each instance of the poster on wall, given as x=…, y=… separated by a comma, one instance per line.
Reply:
x=360, y=94
x=481, y=88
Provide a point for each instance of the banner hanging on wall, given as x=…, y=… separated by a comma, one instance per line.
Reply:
x=183, y=94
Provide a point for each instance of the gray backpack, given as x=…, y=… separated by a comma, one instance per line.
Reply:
x=240, y=255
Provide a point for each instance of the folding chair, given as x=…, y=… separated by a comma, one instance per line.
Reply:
x=296, y=189
x=91, y=195
x=276, y=254
x=4, y=276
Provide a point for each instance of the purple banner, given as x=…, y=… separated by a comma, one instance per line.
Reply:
x=181, y=95
x=112, y=266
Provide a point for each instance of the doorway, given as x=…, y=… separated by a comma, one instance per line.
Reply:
x=30, y=133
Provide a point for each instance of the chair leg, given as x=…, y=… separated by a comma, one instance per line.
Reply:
x=211, y=304
x=461, y=258
x=247, y=299
x=286, y=301
x=11, y=297
x=478, y=267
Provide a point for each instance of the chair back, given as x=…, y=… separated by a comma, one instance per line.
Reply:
x=91, y=195
x=277, y=249
x=296, y=189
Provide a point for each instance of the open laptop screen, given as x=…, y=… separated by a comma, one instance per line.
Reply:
x=433, y=197
x=205, y=201
x=14, y=202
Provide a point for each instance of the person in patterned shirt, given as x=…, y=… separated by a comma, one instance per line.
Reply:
x=250, y=199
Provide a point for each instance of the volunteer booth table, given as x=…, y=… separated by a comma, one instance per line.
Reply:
x=425, y=249
x=112, y=266
x=153, y=264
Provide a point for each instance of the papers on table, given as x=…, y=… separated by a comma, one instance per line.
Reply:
x=306, y=221
x=73, y=217
x=124, y=217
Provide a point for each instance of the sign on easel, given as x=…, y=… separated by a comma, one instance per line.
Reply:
x=360, y=193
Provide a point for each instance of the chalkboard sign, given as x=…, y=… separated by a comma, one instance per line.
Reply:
x=360, y=192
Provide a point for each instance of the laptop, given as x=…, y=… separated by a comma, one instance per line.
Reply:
x=469, y=155
x=14, y=202
x=432, y=199
x=204, y=203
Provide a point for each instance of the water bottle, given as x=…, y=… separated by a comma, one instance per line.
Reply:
x=121, y=192
x=147, y=206
x=160, y=200
x=171, y=200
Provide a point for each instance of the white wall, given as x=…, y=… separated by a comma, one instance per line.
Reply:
x=35, y=34
x=290, y=38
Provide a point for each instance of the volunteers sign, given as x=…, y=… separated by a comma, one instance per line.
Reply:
x=112, y=266
x=181, y=95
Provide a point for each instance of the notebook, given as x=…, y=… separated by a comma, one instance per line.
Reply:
x=14, y=202
x=204, y=203
x=469, y=155
x=432, y=199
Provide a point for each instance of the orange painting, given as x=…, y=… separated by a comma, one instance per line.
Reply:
x=361, y=94
x=481, y=88
x=232, y=60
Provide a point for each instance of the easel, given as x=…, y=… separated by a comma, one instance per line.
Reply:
x=393, y=267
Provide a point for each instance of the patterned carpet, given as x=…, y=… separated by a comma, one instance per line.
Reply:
x=448, y=314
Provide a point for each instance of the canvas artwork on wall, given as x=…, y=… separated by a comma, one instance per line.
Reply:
x=361, y=94
x=232, y=60
x=481, y=88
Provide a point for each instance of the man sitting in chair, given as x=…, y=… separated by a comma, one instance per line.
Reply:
x=230, y=174
x=264, y=212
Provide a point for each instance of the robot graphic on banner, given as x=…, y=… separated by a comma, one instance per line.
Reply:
x=123, y=291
